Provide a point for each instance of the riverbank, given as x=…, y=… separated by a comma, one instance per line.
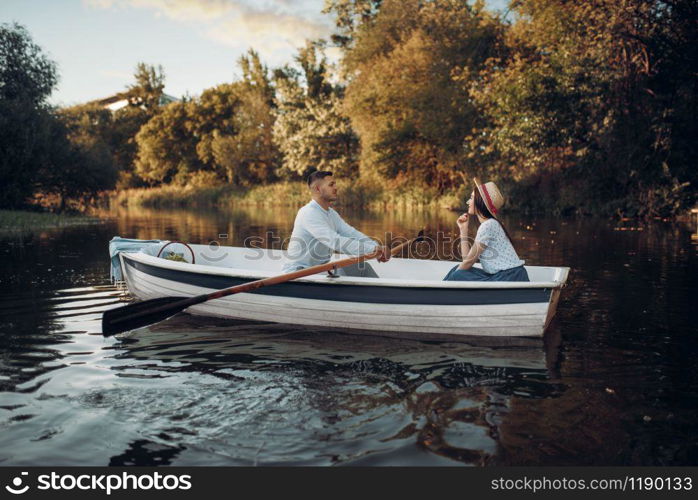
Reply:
x=23, y=220
x=292, y=194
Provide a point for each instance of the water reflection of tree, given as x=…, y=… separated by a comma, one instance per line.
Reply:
x=241, y=222
x=577, y=243
x=629, y=349
x=38, y=272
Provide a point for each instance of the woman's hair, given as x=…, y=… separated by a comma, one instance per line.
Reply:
x=481, y=207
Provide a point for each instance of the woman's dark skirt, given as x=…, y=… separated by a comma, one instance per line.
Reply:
x=476, y=274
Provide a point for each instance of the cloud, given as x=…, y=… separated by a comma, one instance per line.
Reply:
x=180, y=10
x=268, y=31
x=270, y=26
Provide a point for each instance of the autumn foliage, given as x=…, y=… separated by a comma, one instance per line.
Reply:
x=573, y=107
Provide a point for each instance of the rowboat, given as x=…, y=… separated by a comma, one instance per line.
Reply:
x=408, y=295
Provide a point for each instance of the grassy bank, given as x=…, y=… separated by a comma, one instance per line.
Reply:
x=21, y=220
x=354, y=194
x=171, y=196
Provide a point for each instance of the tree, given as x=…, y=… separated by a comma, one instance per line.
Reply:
x=409, y=70
x=235, y=126
x=311, y=129
x=349, y=16
x=597, y=101
x=111, y=132
x=166, y=145
x=213, y=113
x=87, y=119
x=81, y=165
x=26, y=74
x=226, y=131
x=255, y=77
x=148, y=89
x=126, y=123
x=27, y=78
x=249, y=156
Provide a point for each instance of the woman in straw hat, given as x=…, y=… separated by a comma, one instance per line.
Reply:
x=492, y=246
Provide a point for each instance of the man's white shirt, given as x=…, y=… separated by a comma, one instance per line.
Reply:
x=317, y=233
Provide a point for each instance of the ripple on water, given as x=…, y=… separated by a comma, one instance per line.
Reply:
x=614, y=383
x=195, y=390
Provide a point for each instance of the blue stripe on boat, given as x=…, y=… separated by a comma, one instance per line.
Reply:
x=357, y=293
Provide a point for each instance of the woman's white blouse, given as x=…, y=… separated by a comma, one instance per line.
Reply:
x=499, y=253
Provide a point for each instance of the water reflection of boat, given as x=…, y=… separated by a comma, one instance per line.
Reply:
x=215, y=341
x=408, y=295
x=374, y=399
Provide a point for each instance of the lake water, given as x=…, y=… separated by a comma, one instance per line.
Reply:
x=614, y=381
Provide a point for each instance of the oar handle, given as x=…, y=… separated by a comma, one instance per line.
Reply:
x=396, y=250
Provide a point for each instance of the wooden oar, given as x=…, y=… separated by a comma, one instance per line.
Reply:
x=140, y=314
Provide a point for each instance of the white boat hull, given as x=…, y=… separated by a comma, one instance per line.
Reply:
x=148, y=277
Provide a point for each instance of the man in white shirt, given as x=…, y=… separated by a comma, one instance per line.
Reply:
x=318, y=231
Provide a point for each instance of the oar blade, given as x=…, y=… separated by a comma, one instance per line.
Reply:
x=140, y=314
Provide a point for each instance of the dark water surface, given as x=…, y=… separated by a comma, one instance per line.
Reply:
x=614, y=382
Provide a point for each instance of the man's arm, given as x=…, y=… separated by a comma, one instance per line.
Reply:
x=345, y=229
x=348, y=231
x=317, y=226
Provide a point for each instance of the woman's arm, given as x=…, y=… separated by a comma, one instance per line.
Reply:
x=470, y=253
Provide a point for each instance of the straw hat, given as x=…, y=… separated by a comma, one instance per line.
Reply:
x=490, y=194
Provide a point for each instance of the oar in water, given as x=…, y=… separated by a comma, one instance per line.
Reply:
x=140, y=314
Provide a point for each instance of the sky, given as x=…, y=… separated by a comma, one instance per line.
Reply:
x=97, y=43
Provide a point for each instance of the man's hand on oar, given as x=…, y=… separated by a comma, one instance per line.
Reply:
x=385, y=254
x=147, y=312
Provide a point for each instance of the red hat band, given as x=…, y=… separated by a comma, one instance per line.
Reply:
x=488, y=200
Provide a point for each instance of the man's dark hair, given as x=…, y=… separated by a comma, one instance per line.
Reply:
x=318, y=175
